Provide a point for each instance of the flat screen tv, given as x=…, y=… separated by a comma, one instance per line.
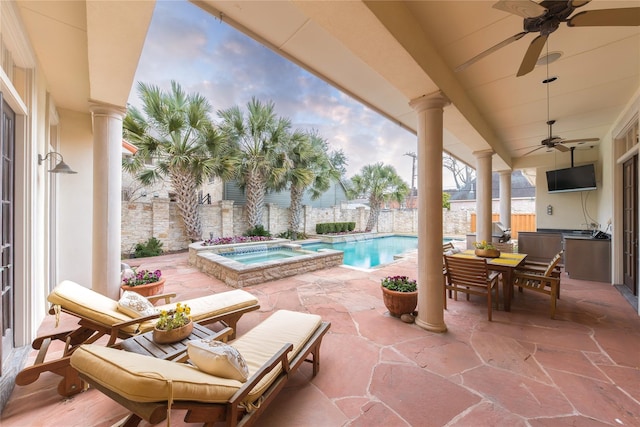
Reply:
x=578, y=178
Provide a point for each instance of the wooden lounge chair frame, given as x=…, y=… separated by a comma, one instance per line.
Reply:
x=89, y=331
x=231, y=412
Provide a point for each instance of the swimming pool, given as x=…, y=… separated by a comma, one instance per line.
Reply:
x=262, y=255
x=371, y=252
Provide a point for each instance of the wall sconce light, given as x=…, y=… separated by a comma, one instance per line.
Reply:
x=61, y=167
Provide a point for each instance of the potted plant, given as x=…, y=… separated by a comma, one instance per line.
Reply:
x=143, y=282
x=486, y=250
x=173, y=325
x=400, y=295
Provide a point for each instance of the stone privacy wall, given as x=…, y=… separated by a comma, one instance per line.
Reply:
x=159, y=218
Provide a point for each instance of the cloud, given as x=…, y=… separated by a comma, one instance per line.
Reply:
x=207, y=56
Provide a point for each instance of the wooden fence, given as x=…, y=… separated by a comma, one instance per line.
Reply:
x=519, y=222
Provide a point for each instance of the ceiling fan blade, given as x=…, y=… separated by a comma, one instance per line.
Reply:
x=561, y=147
x=532, y=55
x=568, y=141
x=524, y=8
x=578, y=3
x=535, y=149
x=490, y=50
x=623, y=17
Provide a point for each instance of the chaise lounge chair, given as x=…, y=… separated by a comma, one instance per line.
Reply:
x=151, y=388
x=101, y=316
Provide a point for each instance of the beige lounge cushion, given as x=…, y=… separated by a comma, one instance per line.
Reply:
x=90, y=304
x=135, y=305
x=259, y=344
x=145, y=379
x=217, y=358
x=103, y=310
x=215, y=304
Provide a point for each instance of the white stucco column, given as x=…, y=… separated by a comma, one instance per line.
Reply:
x=483, y=195
x=430, y=110
x=107, y=186
x=505, y=198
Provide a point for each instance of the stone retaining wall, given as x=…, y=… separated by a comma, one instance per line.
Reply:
x=239, y=275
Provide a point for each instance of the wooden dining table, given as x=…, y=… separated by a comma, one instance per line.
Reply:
x=506, y=263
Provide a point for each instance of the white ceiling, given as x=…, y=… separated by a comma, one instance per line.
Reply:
x=386, y=53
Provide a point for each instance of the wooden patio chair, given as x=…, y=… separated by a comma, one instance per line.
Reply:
x=470, y=276
x=545, y=281
x=273, y=351
x=100, y=316
x=506, y=247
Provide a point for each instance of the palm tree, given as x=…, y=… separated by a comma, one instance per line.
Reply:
x=262, y=138
x=379, y=183
x=310, y=167
x=176, y=132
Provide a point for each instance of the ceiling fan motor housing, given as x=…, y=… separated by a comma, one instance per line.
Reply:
x=548, y=22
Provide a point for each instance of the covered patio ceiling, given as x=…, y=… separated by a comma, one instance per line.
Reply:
x=385, y=53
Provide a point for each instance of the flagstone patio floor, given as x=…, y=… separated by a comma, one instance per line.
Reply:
x=521, y=369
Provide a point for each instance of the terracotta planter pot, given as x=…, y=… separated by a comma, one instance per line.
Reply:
x=147, y=290
x=161, y=336
x=399, y=303
x=488, y=253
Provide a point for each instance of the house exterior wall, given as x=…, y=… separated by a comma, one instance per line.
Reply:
x=332, y=197
x=75, y=198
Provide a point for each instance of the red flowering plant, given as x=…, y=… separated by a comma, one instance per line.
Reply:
x=234, y=239
x=142, y=277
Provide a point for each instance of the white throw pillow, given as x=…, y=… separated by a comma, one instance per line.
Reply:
x=217, y=358
x=135, y=305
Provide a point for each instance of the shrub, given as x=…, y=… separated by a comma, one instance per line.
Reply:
x=289, y=235
x=258, y=230
x=152, y=247
x=335, y=227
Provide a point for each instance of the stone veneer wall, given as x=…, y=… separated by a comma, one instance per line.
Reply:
x=159, y=218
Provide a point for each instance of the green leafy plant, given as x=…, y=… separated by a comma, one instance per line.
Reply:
x=152, y=247
x=399, y=284
x=258, y=230
x=445, y=201
x=289, y=235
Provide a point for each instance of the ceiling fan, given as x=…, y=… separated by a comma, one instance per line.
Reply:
x=556, y=142
x=545, y=18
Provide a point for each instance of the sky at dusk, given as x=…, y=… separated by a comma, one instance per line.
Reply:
x=207, y=56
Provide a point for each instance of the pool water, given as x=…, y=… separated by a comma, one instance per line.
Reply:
x=260, y=256
x=369, y=253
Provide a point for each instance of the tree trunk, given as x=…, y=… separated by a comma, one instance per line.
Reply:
x=373, y=216
x=295, y=210
x=255, y=199
x=187, y=201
